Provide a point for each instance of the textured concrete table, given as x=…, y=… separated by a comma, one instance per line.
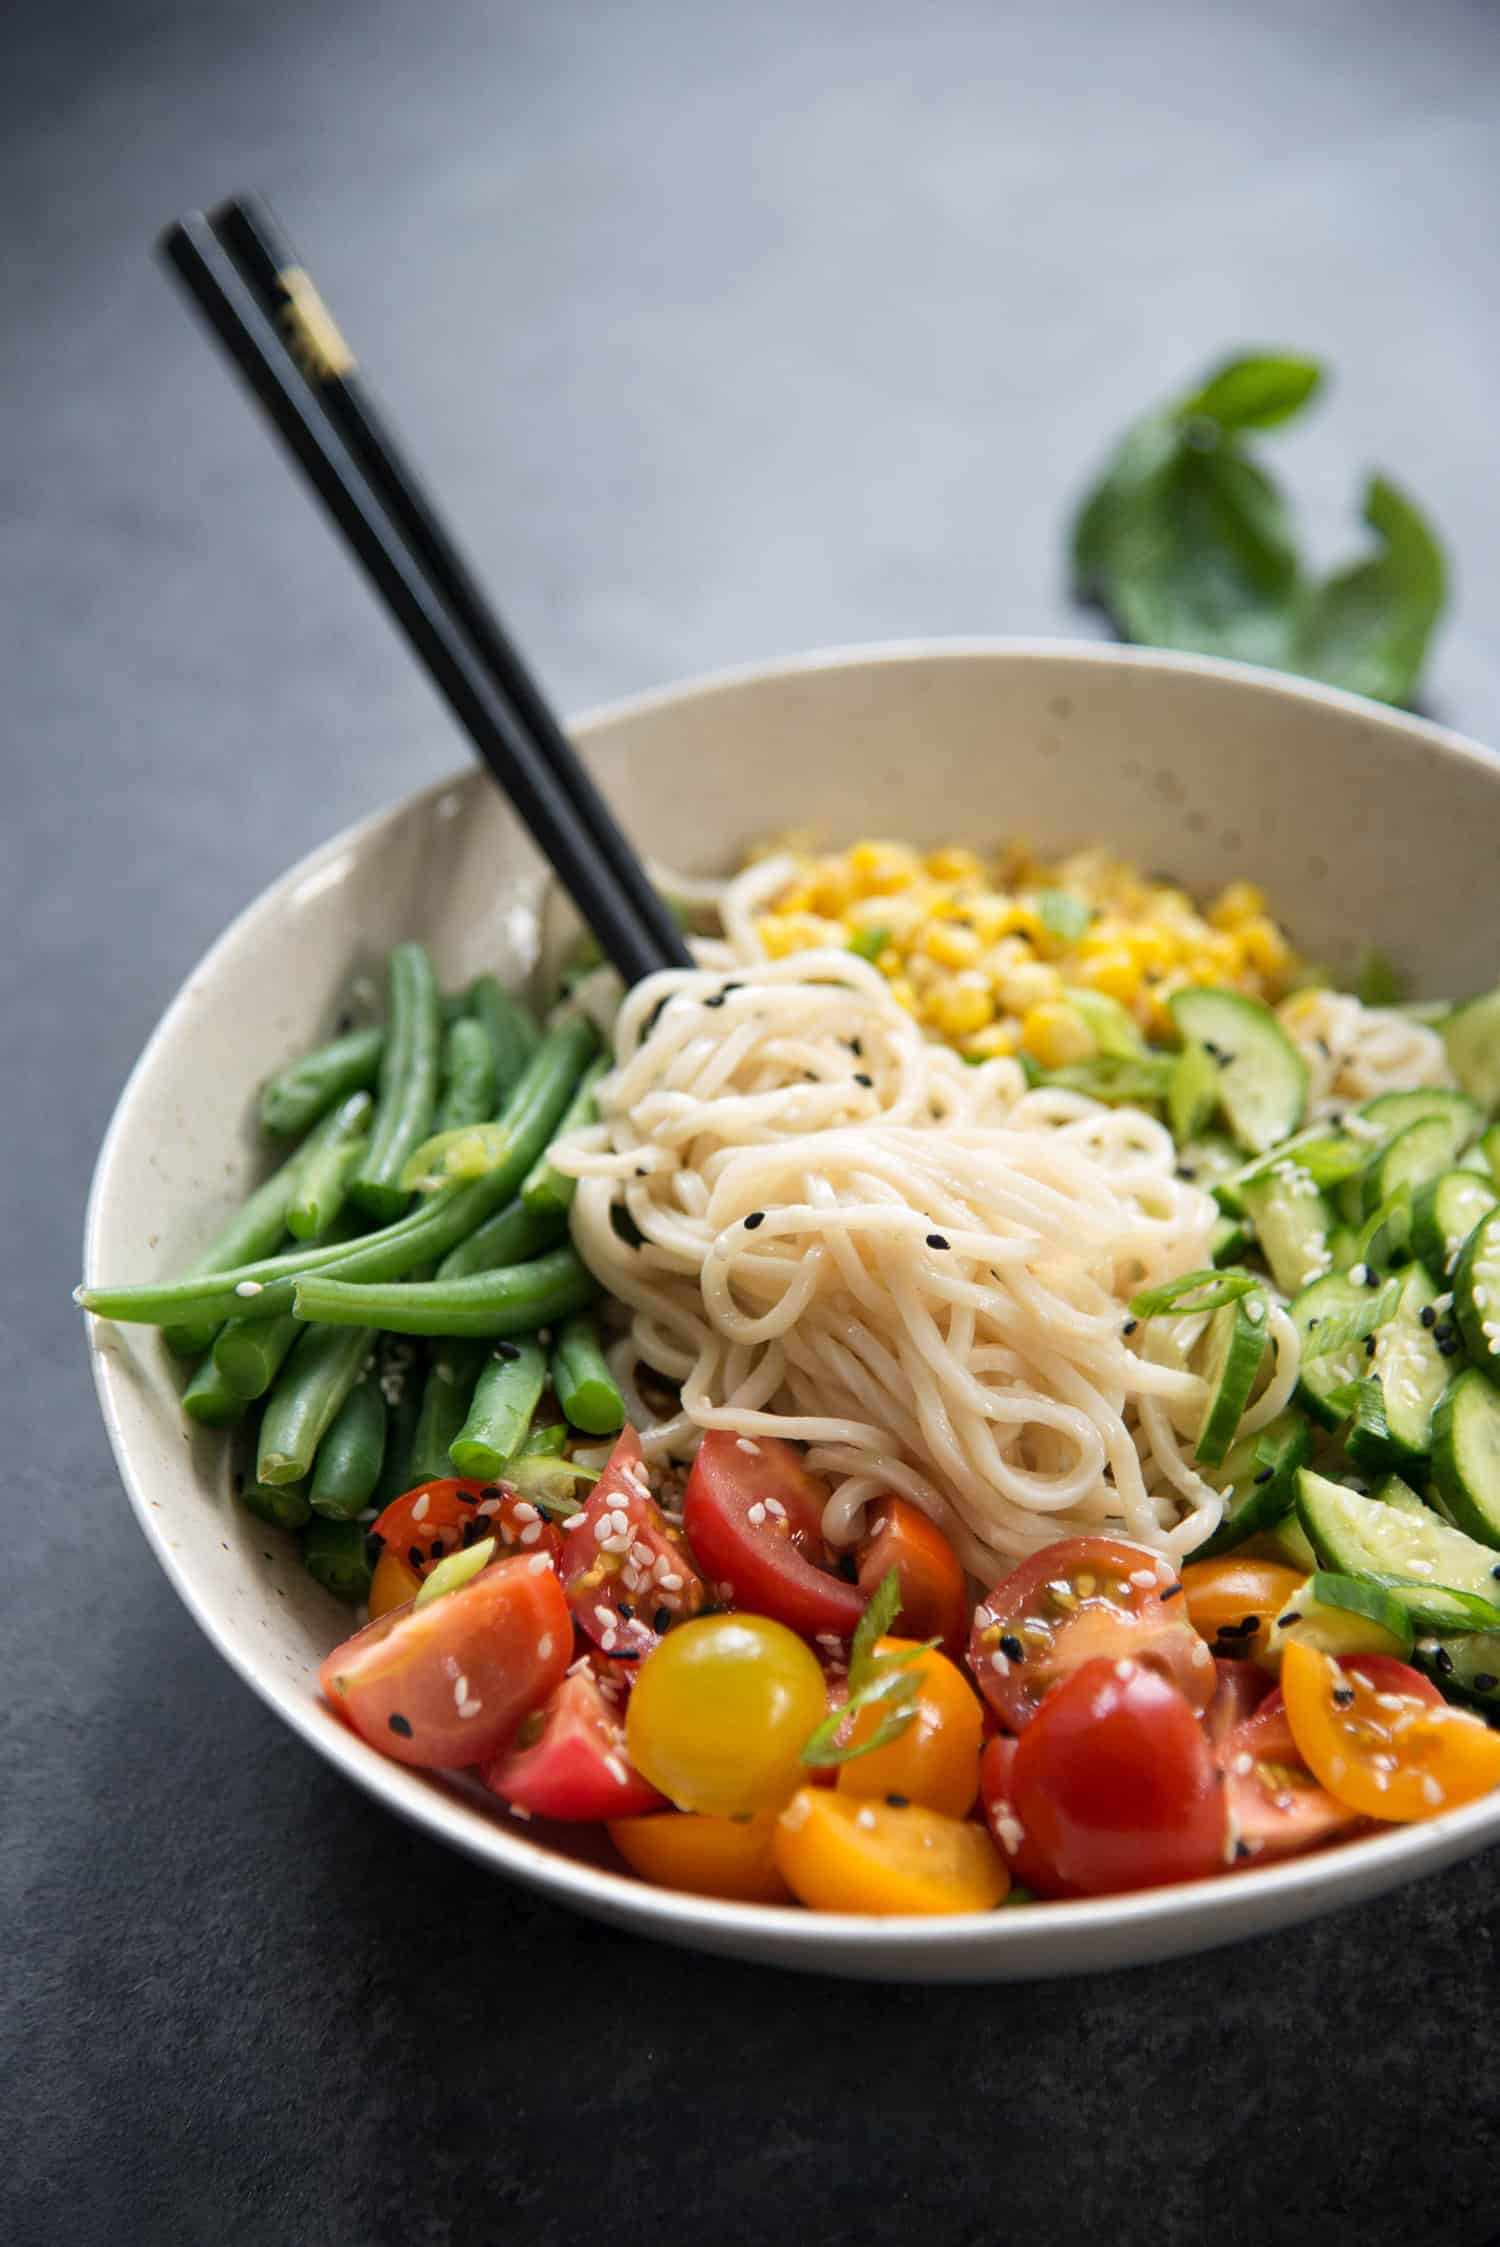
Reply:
x=726, y=332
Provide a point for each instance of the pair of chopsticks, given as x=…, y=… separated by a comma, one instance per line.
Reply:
x=271, y=320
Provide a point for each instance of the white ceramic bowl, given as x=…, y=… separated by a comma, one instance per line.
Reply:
x=1362, y=825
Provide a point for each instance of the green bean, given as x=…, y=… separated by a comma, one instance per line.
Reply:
x=300, y=1409
x=451, y=1374
x=509, y=1237
x=336, y=1555
x=401, y=1386
x=283, y=1504
x=249, y=1353
x=323, y=1180
x=547, y=1443
x=506, y=1395
x=347, y=1468
x=581, y=1380
x=408, y=1080
x=207, y=1400
x=437, y=1225
x=513, y=1301
x=529, y=1118
x=298, y=1094
x=511, y=1026
x=471, y=1087
x=546, y=1188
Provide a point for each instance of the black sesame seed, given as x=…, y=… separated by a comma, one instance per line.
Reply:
x=1372, y=1277
x=1011, y=1648
x=1170, y=1593
x=438, y=1548
x=1241, y=1850
x=756, y=1217
x=861, y=1078
x=1484, y=1681
x=1343, y=1696
x=716, y=1000
x=1285, y=1622
x=1265, y=1474
x=662, y=1619
x=1444, y=1661
x=1369, y=1345
x=1130, y=1326
x=624, y=1653
x=400, y=1725
x=1428, y=1315
x=1448, y=1347
x=1495, y=1571
x=507, y=1352
x=732, y=987
x=493, y=1490
x=470, y=1531
x=415, y=1555
x=625, y=1611
x=856, y=1047
x=899, y=1801
x=1249, y=1623
x=377, y=1540
x=936, y=1240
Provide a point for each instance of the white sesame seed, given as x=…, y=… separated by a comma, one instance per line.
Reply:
x=419, y=1510
x=743, y=1443
x=488, y=1506
x=249, y=1287
x=617, y=1770
x=672, y=1583
x=757, y=1514
x=460, y=1689
x=579, y=1521
x=865, y=1818
x=531, y=1533
x=544, y=1645
x=1243, y=1763
x=1009, y=1831
x=1431, y=1791
x=775, y=1508
x=470, y=1708
x=1144, y=1578
x=608, y=1639
x=538, y=1563
x=1000, y=1663
x=523, y=1510
x=1124, y=1669
x=517, y=1812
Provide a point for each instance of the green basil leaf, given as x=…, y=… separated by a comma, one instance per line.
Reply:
x=1258, y=390
x=1207, y=561
x=1131, y=481
x=1368, y=627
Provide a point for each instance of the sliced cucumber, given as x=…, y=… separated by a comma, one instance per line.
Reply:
x=1489, y=1147
x=1476, y=1294
x=1467, y=1668
x=1466, y=1455
x=1346, y=1299
x=1411, y=1369
x=1341, y=1615
x=1344, y=1248
x=1328, y=1157
x=1262, y=1076
x=1292, y=1224
x=1472, y=1037
x=1235, y=1346
x=1260, y=1473
x=1192, y=1092
x=1213, y=1161
x=1394, y=1492
x=1444, y=1214
x=1417, y=1154
x=1475, y=1158
x=1228, y=1240
x=1288, y=1541
x=1393, y=1111
x=1440, y=1575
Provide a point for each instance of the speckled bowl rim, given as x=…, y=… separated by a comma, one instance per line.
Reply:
x=1042, y=1939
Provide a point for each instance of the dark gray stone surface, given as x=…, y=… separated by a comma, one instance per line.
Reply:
x=725, y=332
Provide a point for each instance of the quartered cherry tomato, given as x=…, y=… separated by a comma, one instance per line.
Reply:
x=934, y=1596
x=840, y=1854
x=437, y=1518
x=1276, y=1807
x=753, y=1515
x=721, y=1712
x=1074, y=1602
x=935, y=1761
x=732, y=1857
x=392, y=1585
x=568, y=1759
x=1115, y=1786
x=1234, y=1601
x=1382, y=1744
x=628, y=1573
x=446, y=1683
x=1239, y=1689
x=996, y=1766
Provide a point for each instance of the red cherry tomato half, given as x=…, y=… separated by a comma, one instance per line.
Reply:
x=1276, y=1807
x=996, y=1766
x=1239, y=1689
x=934, y=1596
x=1115, y=1786
x=443, y=1517
x=446, y=1683
x=627, y=1572
x=568, y=1759
x=753, y=1515
x=1086, y=1599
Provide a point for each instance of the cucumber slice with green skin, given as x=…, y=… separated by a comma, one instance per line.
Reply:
x=1292, y=1223
x=1260, y=1471
x=1262, y=1076
x=1416, y=1156
x=1476, y=1294
x=1328, y=1158
x=1394, y=1492
x=1489, y=1147
x=1288, y=1542
x=1342, y=1615
x=1235, y=1347
x=1436, y=1572
x=1475, y=1158
x=1466, y=1455
x=1394, y=1111
x=1411, y=1369
x=1466, y=1669
x=1228, y=1240
x=1444, y=1214
x=1192, y=1092
x=1344, y=1248
x=1347, y=1298
x=1213, y=1161
x=1472, y=1037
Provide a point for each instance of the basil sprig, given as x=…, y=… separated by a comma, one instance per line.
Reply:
x=1187, y=542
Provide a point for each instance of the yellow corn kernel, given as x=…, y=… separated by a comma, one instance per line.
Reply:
x=961, y=1006
x=831, y=889
x=1029, y=984
x=1056, y=1034
x=902, y=992
x=1113, y=972
x=991, y=1044
x=1223, y=955
x=878, y=868
x=890, y=962
x=797, y=899
x=951, y=944
x=1153, y=949
x=954, y=865
x=1240, y=901
x=990, y=915
x=783, y=933
x=1265, y=948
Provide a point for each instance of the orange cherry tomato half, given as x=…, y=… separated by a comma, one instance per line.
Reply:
x=1234, y=1601
x=1082, y=1600
x=445, y=1684
x=1379, y=1744
x=839, y=1854
x=934, y=1595
x=935, y=1761
x=732, y=1857
x=392, y=1585
x=1276, y=1807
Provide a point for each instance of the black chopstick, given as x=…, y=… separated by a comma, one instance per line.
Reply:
x=540, y=789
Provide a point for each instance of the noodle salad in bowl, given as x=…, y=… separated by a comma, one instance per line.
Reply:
x=984, y=1387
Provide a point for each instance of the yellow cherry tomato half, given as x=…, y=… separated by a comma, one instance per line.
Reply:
x=1234, y=1601
x=935, y=1761
x=840, y=1854
x=706, y=1856
x=1385, y=1752
x=392, y=1584
x=721, y=1712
